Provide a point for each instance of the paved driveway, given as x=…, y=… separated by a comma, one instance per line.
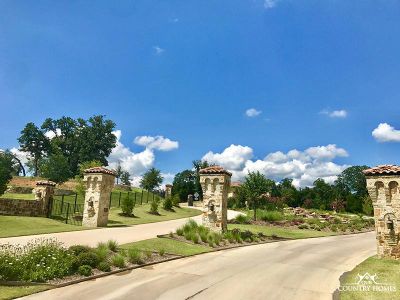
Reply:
x=122, y=235
x=302, y=269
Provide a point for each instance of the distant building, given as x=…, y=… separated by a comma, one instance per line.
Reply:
x=233, y=188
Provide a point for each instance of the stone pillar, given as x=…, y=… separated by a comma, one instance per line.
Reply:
x=190, y=200
x=168, y=190
x=44, y=192
x=215, y=183
x=99, y=184
x=383, y=184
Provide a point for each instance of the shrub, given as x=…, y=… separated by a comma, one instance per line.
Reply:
x=171, y=234
x=127, y=205
x=112, y=245
x=167, y=204
x=148, y=254
x=203, y=236
x=188, y=235
x=179, y=231
x=78, y=249
x=88, y=258
x=102, y=253
x=118, y=260
x=303, y=226
x=176, y=200
x=161, y=251
x=135, y=256
x=242, y=219
x=237, y=235
x=85, y=270
x=271, y=216
x=194, y=237
x=334, y=228
x=154, y=206
x=104, y=266
x=229, y=236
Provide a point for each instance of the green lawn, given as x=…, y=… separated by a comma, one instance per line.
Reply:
x=142, y=216
x=281, y=231
x=16, y=226
x=387, y=271
x=11, y=292
x=18, y=196
x=170, y=246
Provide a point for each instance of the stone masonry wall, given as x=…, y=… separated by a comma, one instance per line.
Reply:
x=18, y=207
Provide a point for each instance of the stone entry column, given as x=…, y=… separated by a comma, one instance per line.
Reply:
x=44, y=192
x=168, y=190
x=99, y=184
x=383, y=187
x=215, y=183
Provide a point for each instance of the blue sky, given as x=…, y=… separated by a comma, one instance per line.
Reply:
x=316, y=73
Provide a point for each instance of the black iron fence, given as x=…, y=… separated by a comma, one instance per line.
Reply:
x=66, y=212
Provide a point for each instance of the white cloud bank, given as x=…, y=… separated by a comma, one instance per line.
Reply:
x=304, y=167
x=335, y=113
x=252, y=112
x=386, y=133
x=138, y=163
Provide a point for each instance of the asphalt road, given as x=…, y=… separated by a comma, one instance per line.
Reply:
x=302, y=269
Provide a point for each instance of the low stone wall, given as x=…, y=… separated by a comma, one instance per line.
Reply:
x=18, y=207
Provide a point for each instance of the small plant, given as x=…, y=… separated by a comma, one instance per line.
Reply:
x=161, y=251
x=85, y=270
x=303, y=226
x=271, y=216
x=203, y=236
x=78, y=249
x=112, y=245
x=154, y=206
x=210, y=239
x=135, y=256
x=88, y=258
x=102, y=253
x=118, y=260
x=167, y=204
x=179, y=231
x=148, y=254
x=194, y=237
x=188, y=235
x=171, y=234
x=127, y=206
x=242, y=219
x=229, y=236
x=176, y=200
x=104, y=266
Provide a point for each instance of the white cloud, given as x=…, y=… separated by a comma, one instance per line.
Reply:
x=158, y=50
x=252, y=112
x=168, y=178
x=51, y=134
x=270, y=3
x=386, y=133
x=304, y=167
x=335, y=113
x=233, y=158
x=21, y=155
x=156, y=142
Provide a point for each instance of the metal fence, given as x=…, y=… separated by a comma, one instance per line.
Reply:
x=66, y=212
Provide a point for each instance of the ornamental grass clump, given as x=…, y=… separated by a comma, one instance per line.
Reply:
x=118, y=260
x=104, y=266
x=135, y=256
x=112, y=245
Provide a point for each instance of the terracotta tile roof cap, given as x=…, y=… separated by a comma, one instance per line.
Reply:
x=100, y=170
x=169, y=185
x=214, y=170
x=45, y=182
x=383, y=170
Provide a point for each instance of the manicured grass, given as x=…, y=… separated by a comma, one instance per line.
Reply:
x=387, y=271
x=142, y=215
x=18, y=196
x=281, y=231
x=16, y=226
x=170, y=246
x=11, y=292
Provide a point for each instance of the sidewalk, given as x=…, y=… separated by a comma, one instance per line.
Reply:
x=122, y=235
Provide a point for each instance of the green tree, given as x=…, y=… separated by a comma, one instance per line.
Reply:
x=151, y=179
x=55, y=168
x=198, y=165
x=352, y=180
x=184, y=184
x=288, y=192
x=127, y=205
x=118, y=171
x=6, y=170
x=80, y=186
x=255, y=185
x=324, y=194
x=125, y=178
x=367, y=207
x=34, y=141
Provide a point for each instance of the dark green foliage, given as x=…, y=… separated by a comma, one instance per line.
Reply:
x=125, y=178
x=55, y=168
x=88, y=258
x=367, y=207
x=151, y=179
x=78, y=249
x=270, y=216
x=135, y=256
x=85, y=270
x=167, y=204
x=127, y=205
x=183, y=185
x=104, y=266
x=176, y=200
x=154, y=206
x=112, y=245
x=118, y=260
x=6, y=170
x=242, y=219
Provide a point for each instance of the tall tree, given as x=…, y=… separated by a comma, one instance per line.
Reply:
x=118, y=171
x=352, y=180
x=55, y=168
x=198, y=165
x=255, y=185
x=6, y=170
x=34, y=141
x=151, y=179
x=184, y=184
x=125, y=178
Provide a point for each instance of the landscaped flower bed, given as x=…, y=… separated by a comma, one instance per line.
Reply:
x=48, y=261
x=312, y=220
x=197, y=234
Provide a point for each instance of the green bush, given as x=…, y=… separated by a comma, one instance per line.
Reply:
x=242, y=219
x=104, y=266
x=85, y=270
x=127, y=205
x=161, y=251
x=270, y=216
x=148, y=254
x=179, y=231
x=194, y=237
x=78, y=249
x=118, y=260
x=112, y=245
x=203, y=236
x=88, y=258
x=176, y=200
x=303, y=226
x=167, y=204
x=154, y=206
x=135, y=256
x=102, y=253
x=229, y=236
